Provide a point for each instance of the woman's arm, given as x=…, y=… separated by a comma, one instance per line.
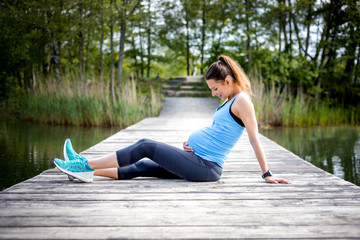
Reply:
x=244, y=109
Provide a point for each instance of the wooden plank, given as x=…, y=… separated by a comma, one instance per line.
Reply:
x=191, y=218
x=225, y=195
x=303, y=206
x=181, y=232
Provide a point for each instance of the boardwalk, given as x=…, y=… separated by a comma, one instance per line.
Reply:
x=240, y=205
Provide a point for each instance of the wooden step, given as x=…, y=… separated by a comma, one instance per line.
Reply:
x=190, y=86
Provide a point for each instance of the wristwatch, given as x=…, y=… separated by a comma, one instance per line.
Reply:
x=268, y=173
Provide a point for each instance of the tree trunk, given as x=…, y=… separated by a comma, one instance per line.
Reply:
x=283, y=20
x=349, y=75
x=141, y=54
x=121, y=50
x=308, y=21
x=290, y=28
x=292, y=17
x=280, y=25
x=81, y=53
x=148, y=53
x=135, y=54
x=87, y=55
x=319, y=45
x=203, y=37
x=187, y=39
x=55, y=57
x=350, y=53
x=357, y=68
x=248, y=46
x=112, y=73
x=297, y=33
x=33, y=77
x=326, y=33
x=149, y=42
x=222, y=19
x=69, y=54
x=122, y=38
x=328, y=26
x=81, y=42
x=55, y=44
x=90, y=12
x=101, y=44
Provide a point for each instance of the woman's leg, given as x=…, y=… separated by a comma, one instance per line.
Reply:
x=108, y=161
x=144, y=168
x=177, y=161
x=107, y=166
x=135, y=152
x=107, y=172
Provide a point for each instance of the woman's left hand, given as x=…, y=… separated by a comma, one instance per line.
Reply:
x=272, y=179
x=187, y=148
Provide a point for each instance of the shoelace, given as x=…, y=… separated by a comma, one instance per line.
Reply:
x=78, y=163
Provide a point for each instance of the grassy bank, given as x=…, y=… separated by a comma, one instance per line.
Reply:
x=275, y=108
x=90, y=104
x=85, y=103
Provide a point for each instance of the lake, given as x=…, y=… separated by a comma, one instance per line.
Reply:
x=335, y=149
x=27, y=149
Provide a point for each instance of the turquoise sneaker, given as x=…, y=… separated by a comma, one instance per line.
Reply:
x=69, y=154
x=68, y=151
x=79, y=169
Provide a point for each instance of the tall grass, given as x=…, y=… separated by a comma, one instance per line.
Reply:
x=279, y=108
x=85, y=103
x=89, y=103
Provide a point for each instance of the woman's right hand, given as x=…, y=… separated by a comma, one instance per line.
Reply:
x=187, y=148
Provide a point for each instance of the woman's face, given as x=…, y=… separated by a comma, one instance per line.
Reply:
x=218, y=89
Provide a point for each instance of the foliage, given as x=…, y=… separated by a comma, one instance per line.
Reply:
x=308, y=49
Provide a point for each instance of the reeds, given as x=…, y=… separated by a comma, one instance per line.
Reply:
x=86, y=104
x=89, y=103
x=279, y=108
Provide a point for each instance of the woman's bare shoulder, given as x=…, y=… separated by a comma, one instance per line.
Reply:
x=243, y=100
x=242, y=105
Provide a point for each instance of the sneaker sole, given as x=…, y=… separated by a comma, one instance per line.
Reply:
x=82, y=176
x=71, y=178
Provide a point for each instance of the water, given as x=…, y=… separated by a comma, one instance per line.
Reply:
x=27, y=149
x=333, y=149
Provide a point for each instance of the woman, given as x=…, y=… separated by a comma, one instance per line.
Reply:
x=206, y=150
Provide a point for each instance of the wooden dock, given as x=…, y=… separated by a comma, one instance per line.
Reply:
x=241, y=205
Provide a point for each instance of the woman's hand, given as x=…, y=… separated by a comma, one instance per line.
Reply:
x=272, y=179
x=187, y=148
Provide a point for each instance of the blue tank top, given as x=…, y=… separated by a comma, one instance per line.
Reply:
x=215, y=142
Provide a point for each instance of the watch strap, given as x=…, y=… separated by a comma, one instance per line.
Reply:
x=268, y=173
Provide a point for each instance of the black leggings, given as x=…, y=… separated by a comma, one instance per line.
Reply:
x=166, y=162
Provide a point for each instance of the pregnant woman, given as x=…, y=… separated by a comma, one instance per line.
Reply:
x=204, y=153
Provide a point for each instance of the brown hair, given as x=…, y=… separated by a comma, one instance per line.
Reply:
x=227, y=67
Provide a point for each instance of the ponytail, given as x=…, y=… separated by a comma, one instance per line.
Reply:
x=227, y=67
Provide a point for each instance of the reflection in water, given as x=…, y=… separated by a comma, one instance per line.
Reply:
x=333, y=149
x=28, y=149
